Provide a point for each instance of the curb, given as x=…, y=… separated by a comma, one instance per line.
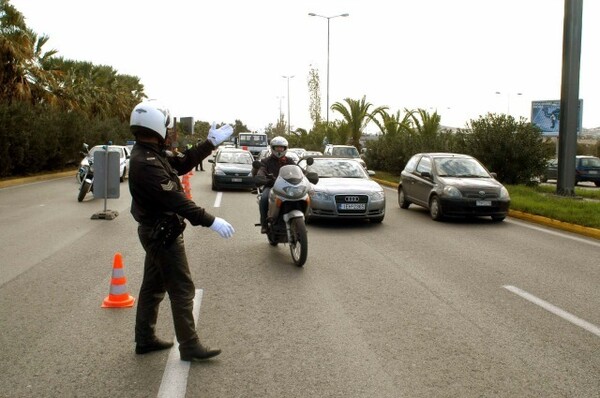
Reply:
x=548, y=222
x=43, y=177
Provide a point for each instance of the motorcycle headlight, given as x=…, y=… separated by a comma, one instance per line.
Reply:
x=377, y=196
x=452, y=192
x=320, y=196
x=294, y=191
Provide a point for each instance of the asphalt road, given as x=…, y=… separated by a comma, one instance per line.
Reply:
x=410, y=307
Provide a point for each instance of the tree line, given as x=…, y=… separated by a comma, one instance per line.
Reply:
x=50, y=106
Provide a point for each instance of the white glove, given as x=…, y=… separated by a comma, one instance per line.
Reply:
x=216, y=136
x=222, y=227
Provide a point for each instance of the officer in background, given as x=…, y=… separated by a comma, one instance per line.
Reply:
x=160, y=206
x=269, y=170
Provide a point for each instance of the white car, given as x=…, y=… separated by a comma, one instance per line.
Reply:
x=124, y=158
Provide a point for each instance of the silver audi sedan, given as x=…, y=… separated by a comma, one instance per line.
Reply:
x=344, y=191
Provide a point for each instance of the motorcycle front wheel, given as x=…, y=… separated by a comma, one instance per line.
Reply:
x=299, y=243
x=85, y=188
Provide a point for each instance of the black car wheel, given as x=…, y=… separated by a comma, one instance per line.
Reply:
x=402, y=201
x=435, y=209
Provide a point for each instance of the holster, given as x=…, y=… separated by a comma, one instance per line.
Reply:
x=167, y=229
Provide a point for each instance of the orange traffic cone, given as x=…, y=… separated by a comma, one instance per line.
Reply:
x=118, y=296
x=187, y=188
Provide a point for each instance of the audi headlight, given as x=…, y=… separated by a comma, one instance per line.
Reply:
x=504, y=193
x=452, y=192
x=377, y=196
x=320, y=196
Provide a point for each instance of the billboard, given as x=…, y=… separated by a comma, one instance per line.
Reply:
x=546, y=115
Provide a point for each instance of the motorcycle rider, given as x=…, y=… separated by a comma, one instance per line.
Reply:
x=160, y=205
x=269, y=170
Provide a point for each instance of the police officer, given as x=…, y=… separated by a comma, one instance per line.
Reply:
x=160, y=206
x=270, y=170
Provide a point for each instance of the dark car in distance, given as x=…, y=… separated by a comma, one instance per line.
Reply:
x=587, y=168
x=232, y=169
x=452, y=185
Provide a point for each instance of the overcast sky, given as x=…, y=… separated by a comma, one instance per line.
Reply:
x=224, y=60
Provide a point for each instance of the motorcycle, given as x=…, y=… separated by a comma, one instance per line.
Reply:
x=288, y=202
x=85, y=174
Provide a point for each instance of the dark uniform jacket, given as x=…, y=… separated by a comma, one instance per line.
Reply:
x=271, y=165
x=155, y=187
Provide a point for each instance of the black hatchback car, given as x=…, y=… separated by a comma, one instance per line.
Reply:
x=451, y=184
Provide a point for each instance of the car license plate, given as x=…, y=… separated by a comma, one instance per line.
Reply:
x=483, y=203
x=593, y=172
x=236, y=180
x=352, y=206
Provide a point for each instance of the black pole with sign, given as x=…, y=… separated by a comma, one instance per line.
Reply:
x=569, y=98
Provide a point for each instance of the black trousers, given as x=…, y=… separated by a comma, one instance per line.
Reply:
x=166, y=270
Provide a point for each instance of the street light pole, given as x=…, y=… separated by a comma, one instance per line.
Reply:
x=288, y=97
x=507, y=101
x=280, y=117
x=312, y=14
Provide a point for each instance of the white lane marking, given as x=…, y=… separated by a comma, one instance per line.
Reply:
x=555, y=310
x=553, y=232
x=218, y=199
x=174, y=380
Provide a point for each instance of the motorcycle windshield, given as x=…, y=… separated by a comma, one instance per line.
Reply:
x=292, y=174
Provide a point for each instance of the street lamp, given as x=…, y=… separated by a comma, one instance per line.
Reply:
x=288, y=95
x=508, y=100
x=312, y=14
x=280, y=117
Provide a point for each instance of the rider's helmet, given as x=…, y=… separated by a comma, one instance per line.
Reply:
x=152, y=117
x=279, y=142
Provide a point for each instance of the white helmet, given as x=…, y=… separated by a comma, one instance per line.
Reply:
x=279, y=141
x=151, y=115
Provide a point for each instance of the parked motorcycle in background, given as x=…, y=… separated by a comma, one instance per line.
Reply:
x=288, y=202
x=85, y=174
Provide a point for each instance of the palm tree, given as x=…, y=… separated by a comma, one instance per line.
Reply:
x=15, y=52
x=356, y=116
x=427, y=128
x=23, y=75
x=393, y=125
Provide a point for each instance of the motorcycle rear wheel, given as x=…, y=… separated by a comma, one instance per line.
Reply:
x=299, y=243
x=85, y=188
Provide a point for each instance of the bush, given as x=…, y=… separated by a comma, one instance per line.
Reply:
x=513, y=149
x=40, y=138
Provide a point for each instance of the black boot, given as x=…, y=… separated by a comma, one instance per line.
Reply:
x=198, y=353
x=153, y=345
